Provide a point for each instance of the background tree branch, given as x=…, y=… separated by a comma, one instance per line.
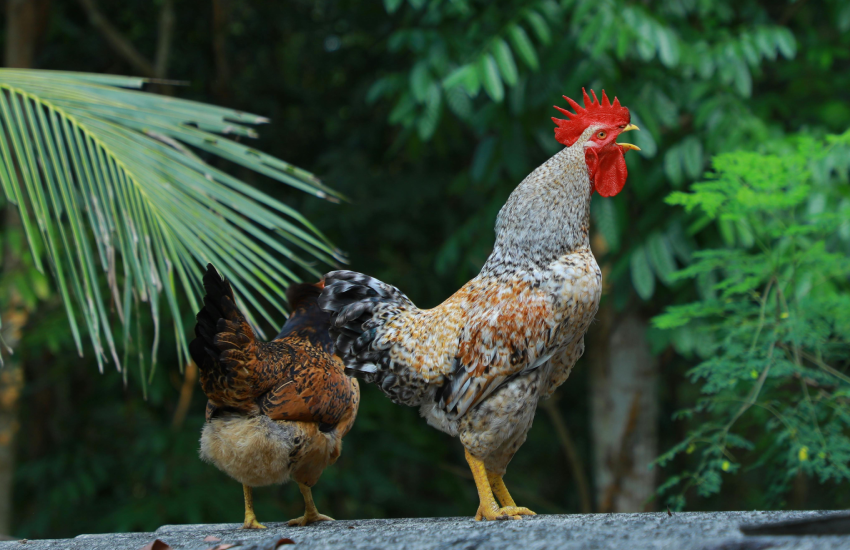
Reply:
x=119, y=43
x=571, y=452
x=164, y=38
x=221, y=84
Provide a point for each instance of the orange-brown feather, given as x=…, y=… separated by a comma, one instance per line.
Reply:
x=293, y=377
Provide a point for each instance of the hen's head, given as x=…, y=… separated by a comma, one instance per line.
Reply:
x=605, y=157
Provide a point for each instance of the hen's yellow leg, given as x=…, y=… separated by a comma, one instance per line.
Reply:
x=250, y=519
x=311, y=514
x=487, y=509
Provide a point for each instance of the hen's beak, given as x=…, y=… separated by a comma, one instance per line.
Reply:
x=629, y=146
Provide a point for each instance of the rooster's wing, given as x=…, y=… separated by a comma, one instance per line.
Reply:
x=485, y=334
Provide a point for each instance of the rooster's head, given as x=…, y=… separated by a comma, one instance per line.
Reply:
x=605, y=157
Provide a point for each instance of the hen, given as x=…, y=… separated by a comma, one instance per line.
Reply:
x=477, y=364
x=276, y=409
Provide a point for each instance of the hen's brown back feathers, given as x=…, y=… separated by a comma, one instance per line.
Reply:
x=293, y=377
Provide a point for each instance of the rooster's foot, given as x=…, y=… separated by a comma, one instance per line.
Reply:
x=504, y=513
x=487, y=507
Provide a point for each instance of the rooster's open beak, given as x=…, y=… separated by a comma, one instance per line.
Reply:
x=629, y=146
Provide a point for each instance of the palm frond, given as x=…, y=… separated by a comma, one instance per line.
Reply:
x=107, y=179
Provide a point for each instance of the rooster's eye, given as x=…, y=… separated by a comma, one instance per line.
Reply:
x=601, y=135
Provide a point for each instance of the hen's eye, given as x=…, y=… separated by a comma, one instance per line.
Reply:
x=601, y=135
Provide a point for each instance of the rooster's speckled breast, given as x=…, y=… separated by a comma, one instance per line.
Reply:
x=496, y=428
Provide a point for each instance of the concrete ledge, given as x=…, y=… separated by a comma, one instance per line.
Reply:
x=657, y=531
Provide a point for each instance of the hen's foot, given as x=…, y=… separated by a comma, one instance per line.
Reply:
x=308, y=519
x=311, y=514
x=250, y=519
x=252, y=523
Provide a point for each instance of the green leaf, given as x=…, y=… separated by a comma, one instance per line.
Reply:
x=691, y=149
x=505, y=60
x=489, y=75
x=673, y=166
x=466, y=76
x=745, y=233
x=785, y=42
x=459, y=102
x=645, y=48
x=378, y=90
x=642, y=277
x=742, y=78
x=679, y=242
x=523, y=46
x=683, y=340
x=706, y=282
x=392, y=5
x=661, y=256
x=420, y=81
x=605, y=217
x=539, y=26
x=844, y=212
x=727, y=231
x=643, y=138
x=111, y=180
x=843, y=19
x=765, y=40
x=704, y=60
x=431, y=116
x=748, y=48
x=482, y=157
x=403, y=111
x=668, y=46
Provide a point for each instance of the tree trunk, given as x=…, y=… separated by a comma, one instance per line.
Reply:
x=14, y=317
x=624, y=384
x=25, y=22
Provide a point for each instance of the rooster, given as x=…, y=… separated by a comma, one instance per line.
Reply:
x=276, y=409
x=477, y=364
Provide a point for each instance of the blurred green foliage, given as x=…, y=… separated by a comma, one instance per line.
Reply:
x=772, y=326
x=427, y=113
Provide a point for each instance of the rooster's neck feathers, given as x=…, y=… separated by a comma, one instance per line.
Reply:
x=546, y=216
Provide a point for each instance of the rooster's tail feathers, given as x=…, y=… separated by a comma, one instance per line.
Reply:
x=352, y=299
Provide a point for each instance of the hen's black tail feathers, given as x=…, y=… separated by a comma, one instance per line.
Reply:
x=351, y=298
x=223, y=341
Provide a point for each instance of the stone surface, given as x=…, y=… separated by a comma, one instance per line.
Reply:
x=657, y=531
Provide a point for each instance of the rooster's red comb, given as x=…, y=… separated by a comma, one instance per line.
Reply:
x=595, y=111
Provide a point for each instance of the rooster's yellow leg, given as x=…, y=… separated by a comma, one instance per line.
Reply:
x=250, y=519
x=311, y=514
x=487, y=509
x=500, y=491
